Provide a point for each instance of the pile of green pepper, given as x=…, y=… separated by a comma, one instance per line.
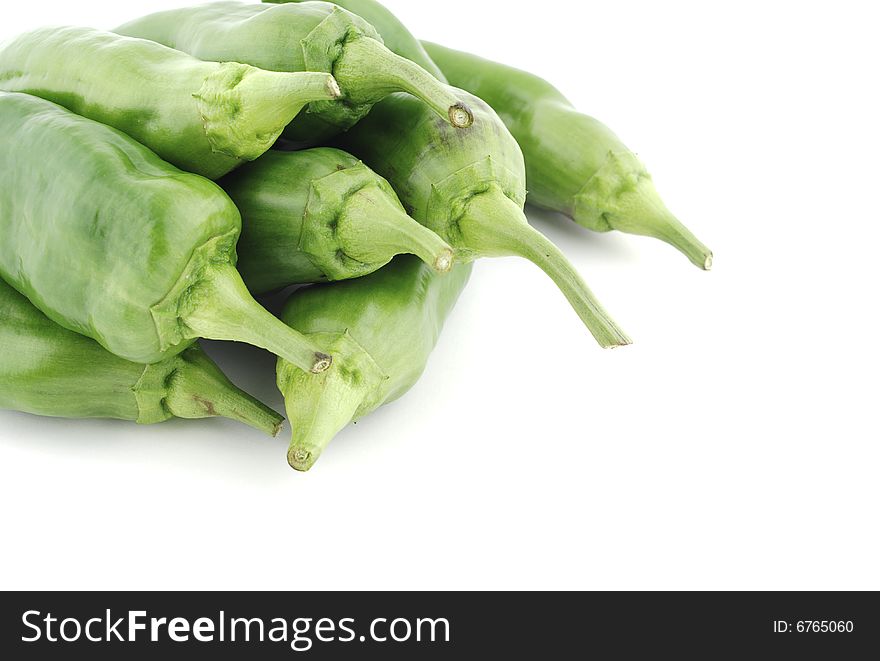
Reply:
x=259, y=146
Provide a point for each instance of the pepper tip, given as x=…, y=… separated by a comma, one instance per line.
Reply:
x=300, y=459
x=322, y=362
x=460, y=116
x=444, y=262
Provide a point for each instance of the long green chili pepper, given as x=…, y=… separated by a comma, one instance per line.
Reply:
x=49, y=370
x=574, y=163
x=320, y=214
x=314, y=36
x=203, y=117
x=112, y=242
x=382, y=327
x=468, y=185
x=394, y=34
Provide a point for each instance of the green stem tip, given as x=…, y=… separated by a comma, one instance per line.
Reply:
x=373, y=228
x=368, y=72
x=641, y=211
x=267, y=101
x=496, y=226
x=221, y=308
x=621, y=196
x=319, y=407
x=198, y=389
x=669, y=229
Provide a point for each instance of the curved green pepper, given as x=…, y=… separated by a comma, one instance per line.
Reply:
x=320, y=214
x=203, y=117
x=49, y=370
x=468, y=185
x=314, y=36
x=383, y=328
x=394, y=33
x=574, y=163
x=110, y=241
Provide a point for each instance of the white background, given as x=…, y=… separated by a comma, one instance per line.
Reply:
x=734, y=445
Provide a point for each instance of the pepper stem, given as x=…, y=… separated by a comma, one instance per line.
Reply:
x=319, y=407
x=221, y=308
x=279, y=96
x=499, y=227
x=373, y=229
x=198, y=389
x=621, y=196
x=317, y=412
x=367, y=72
x=266, y=102
x=646, y=214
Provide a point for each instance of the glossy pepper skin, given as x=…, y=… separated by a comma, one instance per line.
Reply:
x=574, y=163
x=49, y=370
x=394, y=34
x=110, y=241
x=320, y=214
x=203, y=117
x=313, y=36
x=468, y=186
x=382, y=327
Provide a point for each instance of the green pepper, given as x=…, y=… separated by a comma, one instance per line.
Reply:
x=49, y=370
x=320, y=214
x=468, y=186
x=203, y=117
x=314, y=36
x=110, y=241
x=394, y=34
x=574, y=163
x=382, y=327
